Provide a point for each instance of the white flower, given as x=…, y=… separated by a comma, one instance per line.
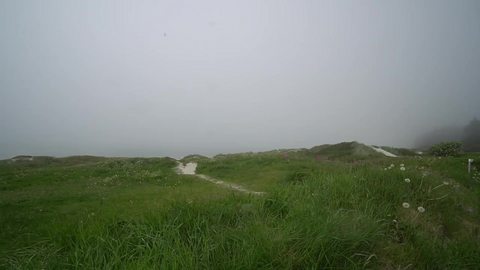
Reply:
x=439, y=157
x=385, y=169
x=406, y=205
x=402, y=165
x=407, y=180
x=446, y=183
x=402, y=168
x=392, y=165
x=421, y=209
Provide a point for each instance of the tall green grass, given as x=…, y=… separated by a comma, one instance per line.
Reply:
x=316, y=215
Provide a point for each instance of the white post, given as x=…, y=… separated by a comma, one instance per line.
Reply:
x=469, y=165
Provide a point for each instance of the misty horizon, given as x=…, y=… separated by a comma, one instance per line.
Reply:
x=165, y=78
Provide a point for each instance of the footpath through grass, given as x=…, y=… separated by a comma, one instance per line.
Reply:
x=318, y=213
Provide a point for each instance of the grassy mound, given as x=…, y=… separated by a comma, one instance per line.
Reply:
x=193, y=158
x=345, y=150
x=35, y=161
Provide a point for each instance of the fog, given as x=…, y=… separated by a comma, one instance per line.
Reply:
x=170, y=78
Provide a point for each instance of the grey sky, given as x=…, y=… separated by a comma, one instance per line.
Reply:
x=101, y=78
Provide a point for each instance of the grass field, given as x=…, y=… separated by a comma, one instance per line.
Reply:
x=332, y=206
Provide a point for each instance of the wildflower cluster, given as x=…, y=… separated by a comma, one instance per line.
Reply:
x=402, y=167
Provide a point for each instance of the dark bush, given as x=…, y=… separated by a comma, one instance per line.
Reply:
x=445, y=149
x=471, y=138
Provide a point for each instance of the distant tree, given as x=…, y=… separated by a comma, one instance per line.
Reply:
x=471, y=136
x=437, y=135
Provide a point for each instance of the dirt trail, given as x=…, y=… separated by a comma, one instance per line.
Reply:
x=380, y=150
x=189, y=169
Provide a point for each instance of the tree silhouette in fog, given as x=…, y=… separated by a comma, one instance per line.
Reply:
x=471, y=136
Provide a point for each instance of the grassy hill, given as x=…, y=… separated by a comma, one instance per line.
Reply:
x=331, y=206
x=345, y=150
x=193, y=158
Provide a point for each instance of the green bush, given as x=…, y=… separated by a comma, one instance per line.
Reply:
x=445, y=149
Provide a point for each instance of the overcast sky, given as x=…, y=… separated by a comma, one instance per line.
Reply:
x=170, y=78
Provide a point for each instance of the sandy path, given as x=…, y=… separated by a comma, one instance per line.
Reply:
x=380, y=150
x=189, y=169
